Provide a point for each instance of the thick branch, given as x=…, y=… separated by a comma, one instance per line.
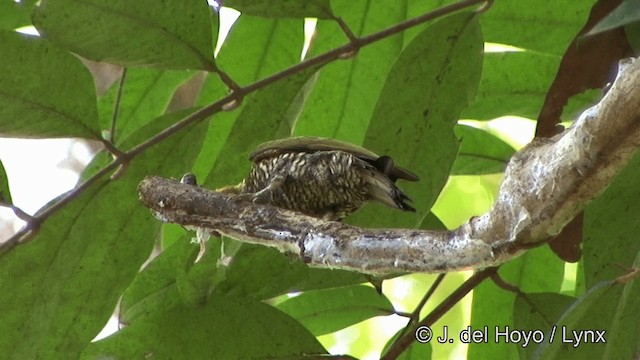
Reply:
x=545, y=185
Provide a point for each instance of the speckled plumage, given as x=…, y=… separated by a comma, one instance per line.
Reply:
x=323, y=178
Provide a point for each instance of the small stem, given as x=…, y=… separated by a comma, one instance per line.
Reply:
x=346, y=29
x=117, y=153
x=116, y=108
x=501, y=283
x=227, y=80
x=354, y=41
x=19, y=213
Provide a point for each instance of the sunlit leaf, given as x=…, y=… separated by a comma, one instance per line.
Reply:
x=283, y=8
x=325, y=311
x=5, y=194
x=168, y=35
x=509, y=23
x=223, y=328
x=346, y=92
x=44, y=91
x=433, y=79
x=16, y=14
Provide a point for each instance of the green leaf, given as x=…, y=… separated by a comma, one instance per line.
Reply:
x=271, y=49
x=606, y=228
x=258, y=47
x=607, y=307
x=283, y=8
x=329, y=310
x=267, y=114
x=432, y=80
x=535, y=314
x=29, y=107
x=626, y=13
x=223, y=328
x=507, y=22
x=480, y=152
x=59, y=289
x=145, y=96
x=168, y=35
x=611, y=245
x=513, y=83
x=538, y=270
x=15, y=14
x=345, y=95
x=154, y=289
x=255, y=272
x=262, y=273
x=5, y=193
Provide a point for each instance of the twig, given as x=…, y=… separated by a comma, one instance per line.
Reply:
x=504, y=285
x=116, y=107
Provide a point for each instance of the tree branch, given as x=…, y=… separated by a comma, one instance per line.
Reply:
x=545, y=185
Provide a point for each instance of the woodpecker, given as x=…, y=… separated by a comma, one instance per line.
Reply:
x=323, y=178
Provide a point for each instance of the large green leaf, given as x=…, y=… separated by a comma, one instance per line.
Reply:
x=44, y=91
x=15, y=14
x=58, y=290
x=611, y=245
x=541, y=26
x=283, y=8
x=172, y=278
x=346, y=92
x=516, y=83
x=608, y=308
x=513, y=83
x=5, y=194
x=254, y=49
x=433, y=79
x=329, y=310
x=536, y=314
x=626, y=13
x=223, y=328
x=608, y=225
x=254, y=272
x=262, y=273
x=538, y=270
x=168, y=35
x=267, y=114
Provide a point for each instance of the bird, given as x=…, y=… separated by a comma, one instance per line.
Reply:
x=321, y=177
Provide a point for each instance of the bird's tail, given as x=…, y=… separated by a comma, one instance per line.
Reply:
x=382, y=189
